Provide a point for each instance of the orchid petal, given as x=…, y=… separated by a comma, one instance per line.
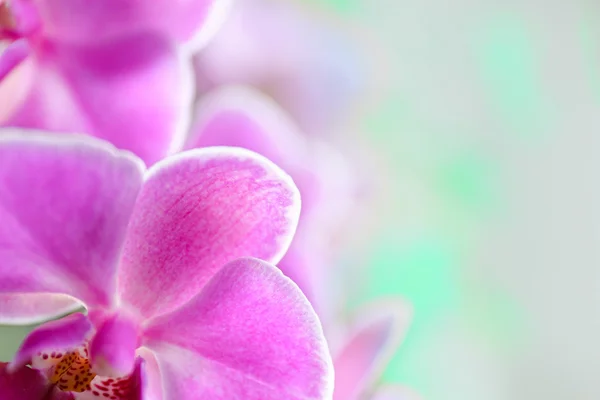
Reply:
x=61, y=335
x=84, y=21
x=370, y=348
x=66, y=201
x=26, y=309
x=27, y=384
x=104, y=91
x=393, y=392
x=112, y=350
x=198, y=210
x=242, y=117
x=252, y=334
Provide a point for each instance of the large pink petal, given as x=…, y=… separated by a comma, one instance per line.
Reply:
x=62, y=335
x=197, y=211
x=27, y=384
x=251, y=333
x=370, y=348
x=95, y=21
x=134, y=92
x=29, y=308
x=65, y=205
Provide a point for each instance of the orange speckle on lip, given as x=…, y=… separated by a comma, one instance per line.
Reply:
x=72, y=373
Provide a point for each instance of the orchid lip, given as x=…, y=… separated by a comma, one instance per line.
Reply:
x=73, y=372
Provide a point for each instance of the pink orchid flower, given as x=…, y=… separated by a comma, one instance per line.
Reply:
x=113, y=69
x=307, y=64
x=242, y=117
x=162, y=260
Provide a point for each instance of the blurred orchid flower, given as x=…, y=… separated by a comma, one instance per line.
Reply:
x=114, y=69
x=173, y=312
x=243, y=117
x=282, y=48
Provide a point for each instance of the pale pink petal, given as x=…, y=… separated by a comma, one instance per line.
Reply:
x=393, y=392
x=243, y=117
x=370, y=348
x=133, y=92
x=29, y=308
x=311, y=68
x=61, y=335
x=112, y=350
x=90, y=21
x=197, y=211
x=27, y=384
x=253, y=335
x=65, y=205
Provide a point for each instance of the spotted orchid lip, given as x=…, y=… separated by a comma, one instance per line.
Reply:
x=73, y=373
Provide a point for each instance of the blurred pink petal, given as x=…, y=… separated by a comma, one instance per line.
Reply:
x=133, y=92
x=197, y=211
x=64, y=214
x=86, y=21
x=370, y=348
x=282, y=49
x=253, y=334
